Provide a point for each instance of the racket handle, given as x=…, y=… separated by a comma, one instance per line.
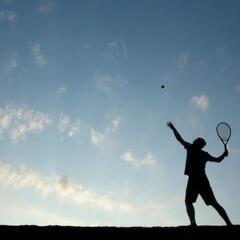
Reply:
x=225, y=147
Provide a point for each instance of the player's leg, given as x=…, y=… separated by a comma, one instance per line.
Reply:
x=221, y=211
x=209, y=198
x=190, y=198
x=191, y=213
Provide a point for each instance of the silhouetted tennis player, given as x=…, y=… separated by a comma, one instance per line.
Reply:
x=197, y=179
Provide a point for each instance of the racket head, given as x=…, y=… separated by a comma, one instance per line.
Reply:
x=224, y=131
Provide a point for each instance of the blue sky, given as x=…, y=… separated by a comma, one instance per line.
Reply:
x=83, y=116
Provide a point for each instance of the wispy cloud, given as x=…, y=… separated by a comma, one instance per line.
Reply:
x=64, y=122
x=12, y=61
x=200, y=102
x=98, y=137
x=148, y=161
x=38, y=56
x=109, y=83
x=17, y=123
x=183, y=59
x=61, y=186
x=47, y=7
x=7, y=16
x=68, y=127
x=116, y=49
x=62, y=90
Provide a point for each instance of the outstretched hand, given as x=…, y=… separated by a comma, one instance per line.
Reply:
x=170, y=125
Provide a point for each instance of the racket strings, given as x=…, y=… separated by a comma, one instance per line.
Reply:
x=224, y=131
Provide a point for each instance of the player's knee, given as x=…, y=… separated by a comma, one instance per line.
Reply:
x=188, y=203
x=214, y=204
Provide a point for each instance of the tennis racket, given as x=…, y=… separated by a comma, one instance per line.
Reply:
x=224, y=133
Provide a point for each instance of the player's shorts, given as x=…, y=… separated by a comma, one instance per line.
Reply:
x=199, y=185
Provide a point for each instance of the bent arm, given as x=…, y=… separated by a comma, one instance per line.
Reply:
x=218, y=159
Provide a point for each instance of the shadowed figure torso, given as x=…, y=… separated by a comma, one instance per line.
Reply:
x=196, y=161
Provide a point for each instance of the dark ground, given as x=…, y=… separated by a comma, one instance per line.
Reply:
x=71, y=233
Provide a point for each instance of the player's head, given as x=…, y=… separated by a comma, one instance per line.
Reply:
x=199, y=143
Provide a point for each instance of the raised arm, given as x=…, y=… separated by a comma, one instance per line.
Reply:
x=218, y=159
x=176, y=133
